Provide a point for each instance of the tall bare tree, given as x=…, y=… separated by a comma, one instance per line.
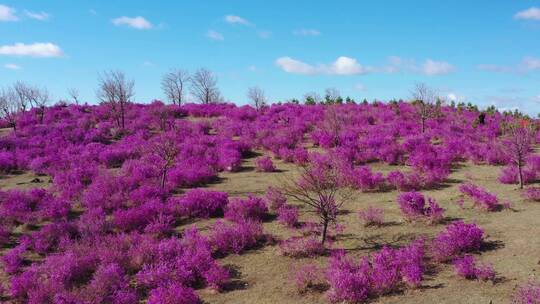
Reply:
x=519, y=139
x=320, y=187
x=9, y=107
x=174, y=83
x=74, y=95
x=33, y=96
x=256, y=97
x=204, y=87
x=424, y=98
x=331, y=95
x=115, y=90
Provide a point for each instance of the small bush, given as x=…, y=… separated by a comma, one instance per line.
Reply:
x=456, y=239
x=528, y=293
x=297, y=247
x=467, y=267
x=173, y=294
x=275, y=198
x=288, y=216
x=413, y=207
x=480, y=197
x=532, y=193
x=265, y=164
x=308, y=277
x=372, y=216
x=200, y=203
x=235, y=237
x=252, y=208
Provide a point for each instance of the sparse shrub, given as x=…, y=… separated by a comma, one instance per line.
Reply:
x=307, y=277
x=457, y=238
x=467, y=267
x=372, y=216
x=532, y=193
x=288, y=216
x=275, y=198
x=413, y=207
x=297, y=247
x=510, y=175
x=528, y=293
x=265, y=164
x=480, y=197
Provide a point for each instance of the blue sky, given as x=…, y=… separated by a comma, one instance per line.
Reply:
x=485, y=52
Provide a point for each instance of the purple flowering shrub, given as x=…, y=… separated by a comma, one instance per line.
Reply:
x=468, y=268
x=235, y=237
x=200, y=203
x=372, y=216
x=308, y=277
x=288, y=216
x=480, y=197
x=532, y=193
x=297, y=247
x=265, y=164
x=413, y=207
x=251, y=208
x=275, y=199
x=528, y=293
x=385, y=271
x=457, y=238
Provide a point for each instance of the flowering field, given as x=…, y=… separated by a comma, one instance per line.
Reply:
x=285, y=204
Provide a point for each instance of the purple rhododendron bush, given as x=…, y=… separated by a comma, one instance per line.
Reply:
x=286, y=203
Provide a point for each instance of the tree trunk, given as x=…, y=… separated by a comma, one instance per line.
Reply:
x=163, y=179
x=520, y=174
x=325, y=231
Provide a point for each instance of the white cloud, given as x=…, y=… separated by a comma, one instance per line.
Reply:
x=531, y=63
x=41, y=16
x=342, y=66
x=236, y=20
x=148, y=64
x=306, y=32
x=12, y=66
x=215, y=35
x=138, y=22
x=527, y=64
x=264, y=34
x=252, y=68
x=431, y=67
x=532, y=13
x=37, y=49
x=7, y=13
x=360, y=87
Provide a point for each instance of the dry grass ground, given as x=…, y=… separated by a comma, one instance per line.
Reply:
x=262, y=275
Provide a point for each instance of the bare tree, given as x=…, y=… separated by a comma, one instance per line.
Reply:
x=165, y=149
x=173, y=84
x=334, y=121
x=256, y=97
x=33, y=96
x=74, y=94
x=204, y=87
x=20, y=91
x=115, y=90
x=424, y=98
x=321, y=188
x=331, y=95
x=519, y=139
x=9, y=107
